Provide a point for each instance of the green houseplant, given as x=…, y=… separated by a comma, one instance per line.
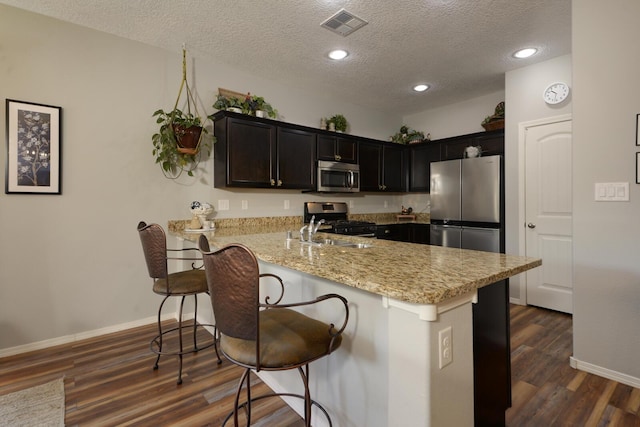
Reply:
x=250, y=104
x=339, y=122
x=177, y=143
x=406, y=135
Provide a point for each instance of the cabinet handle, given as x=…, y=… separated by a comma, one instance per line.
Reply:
x=384, y=187
x=273, y=182
x=338, y=157
x=379, y=187
x=279, y=183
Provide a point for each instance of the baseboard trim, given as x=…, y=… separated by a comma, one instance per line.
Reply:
x=39, y=345
x=604, y=372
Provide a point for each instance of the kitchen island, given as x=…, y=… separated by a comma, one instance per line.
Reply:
x=402, y=296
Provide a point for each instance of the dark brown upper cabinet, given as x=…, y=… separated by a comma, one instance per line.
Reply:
x=337, y=149
x=382, y=167
x=420, y=158
x=490, y=143
x=258, y=154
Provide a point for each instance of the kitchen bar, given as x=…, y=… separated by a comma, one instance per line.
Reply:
x=401, y=296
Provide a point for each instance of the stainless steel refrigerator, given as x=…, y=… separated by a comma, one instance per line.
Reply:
x=467, y=204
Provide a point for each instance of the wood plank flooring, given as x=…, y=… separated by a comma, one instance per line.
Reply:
x=109, y=381
x=547, y=391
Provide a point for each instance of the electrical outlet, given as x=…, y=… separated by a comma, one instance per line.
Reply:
x=223, y=205
x=245, y=205
x=386, y=204
x=445, y=347
x=287, y=205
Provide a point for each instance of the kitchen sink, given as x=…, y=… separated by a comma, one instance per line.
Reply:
x=342, y=243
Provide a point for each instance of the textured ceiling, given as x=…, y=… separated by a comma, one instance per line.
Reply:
x=461, y=48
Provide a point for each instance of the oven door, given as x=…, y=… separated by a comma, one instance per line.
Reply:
x=335, y=177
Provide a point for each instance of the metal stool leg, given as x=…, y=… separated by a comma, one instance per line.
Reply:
x=180, y=340
x=155, y=366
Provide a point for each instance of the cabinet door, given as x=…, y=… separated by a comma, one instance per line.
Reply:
x=394, y=177
x=490, y=143
x=347, y=150
x=370, y=166
x=395, y=232
x=420, y=233
x=250, y=147
x=337, y=149
x=421, y=157
x=296, y=159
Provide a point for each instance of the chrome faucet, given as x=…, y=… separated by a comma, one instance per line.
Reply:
x=311, y=221
x=315, y=229
x=311, y=229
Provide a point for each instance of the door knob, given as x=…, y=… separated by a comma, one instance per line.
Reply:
x=531, y=225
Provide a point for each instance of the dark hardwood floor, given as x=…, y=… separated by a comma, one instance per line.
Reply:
x=109, y=381
x=547, y=391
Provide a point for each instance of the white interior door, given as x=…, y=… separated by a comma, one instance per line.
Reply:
x=548, y=215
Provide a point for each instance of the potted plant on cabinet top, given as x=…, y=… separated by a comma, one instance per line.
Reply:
x=406, y=135
x=339, y=123
x=247, y=104
x=176, y=145
x=258, y=107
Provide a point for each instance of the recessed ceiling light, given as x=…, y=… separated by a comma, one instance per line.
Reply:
x=338, y=54
x=420, y=88
x=525, y=53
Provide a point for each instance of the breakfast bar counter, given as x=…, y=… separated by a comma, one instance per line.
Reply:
x=412, y=273
x=389, y=370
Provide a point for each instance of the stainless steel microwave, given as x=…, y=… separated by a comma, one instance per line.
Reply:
x=336, y=177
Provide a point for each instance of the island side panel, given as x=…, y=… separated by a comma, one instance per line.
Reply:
x=420, y=393
x=351, y=383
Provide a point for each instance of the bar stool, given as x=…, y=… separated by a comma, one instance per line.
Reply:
x=179, y=284
x=264, y=336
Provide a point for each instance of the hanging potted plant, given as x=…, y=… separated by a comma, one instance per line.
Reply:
x=177, y=143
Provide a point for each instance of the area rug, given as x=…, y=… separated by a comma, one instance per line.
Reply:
x=41, y=405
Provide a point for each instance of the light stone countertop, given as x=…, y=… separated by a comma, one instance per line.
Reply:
x=414, y=273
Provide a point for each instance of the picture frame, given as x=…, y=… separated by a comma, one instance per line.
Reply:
x=637, y=168
x=34, y=148
x=637, y=129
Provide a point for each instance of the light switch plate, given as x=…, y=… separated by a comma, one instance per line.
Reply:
x=612, y=192
x=223, y=205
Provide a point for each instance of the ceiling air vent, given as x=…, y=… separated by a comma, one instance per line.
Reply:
x=344, y=23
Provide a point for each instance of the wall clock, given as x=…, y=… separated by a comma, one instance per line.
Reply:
x=555, y=93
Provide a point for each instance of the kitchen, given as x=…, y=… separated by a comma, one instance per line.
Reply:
x=106, y=191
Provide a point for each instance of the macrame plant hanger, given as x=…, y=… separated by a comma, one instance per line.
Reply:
x=184, y=134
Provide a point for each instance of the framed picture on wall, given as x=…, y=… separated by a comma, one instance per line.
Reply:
x=33, y=148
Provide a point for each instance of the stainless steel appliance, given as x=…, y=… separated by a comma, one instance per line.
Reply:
x=335, y=215
x=467, y=204
x=336, y=177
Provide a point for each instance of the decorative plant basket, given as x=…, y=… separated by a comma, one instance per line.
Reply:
x=187, y=138
x=231, y=94
x=493, y=125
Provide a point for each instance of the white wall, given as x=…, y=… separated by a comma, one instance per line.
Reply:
x=606, y=235
x=456, y=119
x=524, y=102
x=73, y=263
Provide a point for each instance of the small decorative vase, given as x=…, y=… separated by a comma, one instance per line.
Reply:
x=195, y=223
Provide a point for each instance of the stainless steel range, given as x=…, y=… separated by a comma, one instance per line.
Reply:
x=335, y=215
